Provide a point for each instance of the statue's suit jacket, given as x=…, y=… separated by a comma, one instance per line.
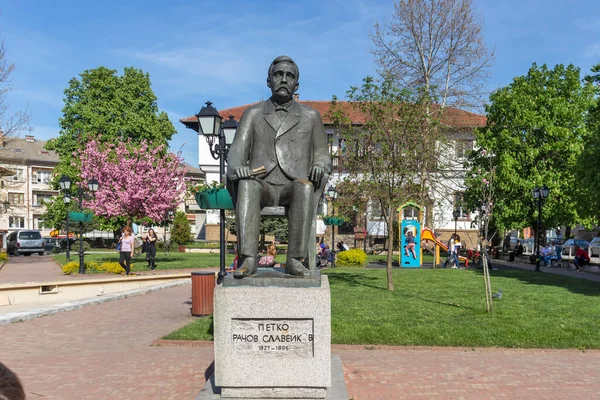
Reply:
x=296, y=144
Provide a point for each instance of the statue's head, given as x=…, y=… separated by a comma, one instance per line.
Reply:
x=283, y=79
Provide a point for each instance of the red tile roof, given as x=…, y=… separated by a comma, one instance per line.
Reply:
x=452, y=116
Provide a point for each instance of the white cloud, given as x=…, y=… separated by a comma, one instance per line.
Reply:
x=592, y=51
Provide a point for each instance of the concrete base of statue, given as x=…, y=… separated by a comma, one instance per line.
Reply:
x=272, y=342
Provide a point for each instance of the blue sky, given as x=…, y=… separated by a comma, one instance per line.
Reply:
x=220, y=50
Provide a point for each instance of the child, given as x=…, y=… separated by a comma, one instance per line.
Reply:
x=410, y=245
x=269, y=259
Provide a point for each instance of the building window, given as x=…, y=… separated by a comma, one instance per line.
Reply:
x=38, y=223
x=462, y=148
x=16, y=222
x=42, y=176
x=43, y=198
x=19, y=176
x=411, y=213
x=17, y=199
x=459, y=205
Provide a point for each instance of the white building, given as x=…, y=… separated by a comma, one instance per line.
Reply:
x=23, y=193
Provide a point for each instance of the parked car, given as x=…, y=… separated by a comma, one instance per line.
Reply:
x=50, y=244
x=528, y=245
x=594, y=248
x=25, y=242
x=569, y=244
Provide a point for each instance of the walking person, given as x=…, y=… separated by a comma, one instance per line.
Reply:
x=127, y=244
x=450, y=248
x=457, y=247
x=151, y=248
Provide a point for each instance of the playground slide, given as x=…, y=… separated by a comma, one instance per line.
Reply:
x=427, y=234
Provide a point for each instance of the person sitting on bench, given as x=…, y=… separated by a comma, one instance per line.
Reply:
x=518, y=249
x=581, y=258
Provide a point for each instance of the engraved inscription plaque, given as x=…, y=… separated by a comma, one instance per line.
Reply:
x=273, y=337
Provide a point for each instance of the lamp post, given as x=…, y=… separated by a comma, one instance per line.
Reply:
x=455, y=214
x=333, y=194
x=65, y=184
x=209, y=125
x=539, y=194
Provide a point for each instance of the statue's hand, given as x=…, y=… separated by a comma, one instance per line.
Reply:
x=241, y=173
x=316, y=174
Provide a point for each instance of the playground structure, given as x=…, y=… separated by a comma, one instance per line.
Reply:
x=427, y=235
x=411, y=221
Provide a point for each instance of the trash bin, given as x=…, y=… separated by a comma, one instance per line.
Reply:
x=511, y=256
x=203, y=288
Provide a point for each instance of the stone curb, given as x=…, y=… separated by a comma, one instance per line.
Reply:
x=74, y=305
x=367, y=347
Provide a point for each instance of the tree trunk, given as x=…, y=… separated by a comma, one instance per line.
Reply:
x=390, y=254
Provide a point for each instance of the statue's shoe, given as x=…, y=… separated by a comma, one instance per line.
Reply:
x=296, y=268
x=247, y=268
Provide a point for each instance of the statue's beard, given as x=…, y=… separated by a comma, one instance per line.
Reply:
x=282, y=96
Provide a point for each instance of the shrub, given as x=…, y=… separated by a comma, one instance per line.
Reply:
x=91, y=265
x=73, y=267
x=70, y=267
x=181, y=231
x=111, y=268
x=3, y=257
x=351, y=258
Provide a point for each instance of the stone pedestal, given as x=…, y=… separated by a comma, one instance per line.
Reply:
x=272, y=342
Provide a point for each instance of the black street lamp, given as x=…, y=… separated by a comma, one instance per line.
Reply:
x=209, y=125
x=539, y=194
x=455, y=214
x=333, y=194
x=65, y=185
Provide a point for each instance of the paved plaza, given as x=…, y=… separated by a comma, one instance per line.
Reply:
x=110, y=351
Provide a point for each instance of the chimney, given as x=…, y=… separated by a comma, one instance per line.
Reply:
x=297, y=97
x=29, y=138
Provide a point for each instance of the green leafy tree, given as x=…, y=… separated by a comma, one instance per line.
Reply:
x=536, y=129
x=588, y=170
x=385, y=156
x=104, y=106
x=181, y=230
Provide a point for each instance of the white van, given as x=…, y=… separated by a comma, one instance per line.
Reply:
x=25, y=242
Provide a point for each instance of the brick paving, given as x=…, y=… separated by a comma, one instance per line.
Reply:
x=105, y=351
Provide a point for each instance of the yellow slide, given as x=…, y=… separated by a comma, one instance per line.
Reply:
x=427, y=234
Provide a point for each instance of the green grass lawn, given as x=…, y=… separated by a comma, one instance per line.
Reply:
x=174, y=260
x=447, y=308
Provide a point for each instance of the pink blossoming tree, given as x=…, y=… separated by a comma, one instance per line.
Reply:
x=135, y=182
